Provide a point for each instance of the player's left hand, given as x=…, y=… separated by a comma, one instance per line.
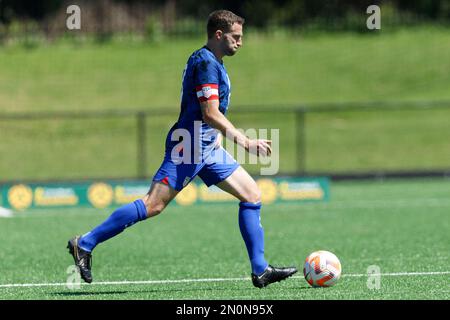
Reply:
x=260, y=147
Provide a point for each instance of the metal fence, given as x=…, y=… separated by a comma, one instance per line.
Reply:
x=338, y=140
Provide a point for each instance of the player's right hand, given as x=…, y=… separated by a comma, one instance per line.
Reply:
x=260, y=147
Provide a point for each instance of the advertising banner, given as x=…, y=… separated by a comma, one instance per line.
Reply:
x=103, y=194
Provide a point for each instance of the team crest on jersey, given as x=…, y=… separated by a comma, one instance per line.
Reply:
x=207, y=92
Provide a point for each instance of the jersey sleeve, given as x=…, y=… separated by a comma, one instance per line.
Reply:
x=207, y=80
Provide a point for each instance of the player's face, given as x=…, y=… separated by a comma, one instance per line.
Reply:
x=232, y=41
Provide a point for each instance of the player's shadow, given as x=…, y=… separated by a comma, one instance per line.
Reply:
x=74, y=293
x=298, y=288
x=165, y=290
x=87, y=293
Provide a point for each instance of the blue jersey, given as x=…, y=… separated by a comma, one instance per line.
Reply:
x=204, y=78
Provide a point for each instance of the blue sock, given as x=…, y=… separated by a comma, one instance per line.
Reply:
x=253, y=234
x=120, y=219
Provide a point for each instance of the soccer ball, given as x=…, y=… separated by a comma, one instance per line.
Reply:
x=322, y=269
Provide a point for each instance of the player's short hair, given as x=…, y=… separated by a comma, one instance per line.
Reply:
x=222, y=20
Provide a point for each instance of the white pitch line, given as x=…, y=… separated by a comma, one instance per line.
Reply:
x=399, y=274
x=56, y=284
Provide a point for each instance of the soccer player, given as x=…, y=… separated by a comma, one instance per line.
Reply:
x=193, y=148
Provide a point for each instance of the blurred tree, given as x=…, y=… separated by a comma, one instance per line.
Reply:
x=259, y=13
x=35, y=10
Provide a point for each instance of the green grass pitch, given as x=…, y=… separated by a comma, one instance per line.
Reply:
x=197, y=252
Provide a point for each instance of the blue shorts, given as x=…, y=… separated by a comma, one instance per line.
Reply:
x=216, y=168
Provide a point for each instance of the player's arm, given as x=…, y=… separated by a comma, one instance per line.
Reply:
x=214, y=118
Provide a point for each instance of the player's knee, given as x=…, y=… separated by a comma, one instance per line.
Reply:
x=253, y=196
x=155, y=209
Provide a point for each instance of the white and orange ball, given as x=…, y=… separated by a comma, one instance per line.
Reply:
x=322, y=269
